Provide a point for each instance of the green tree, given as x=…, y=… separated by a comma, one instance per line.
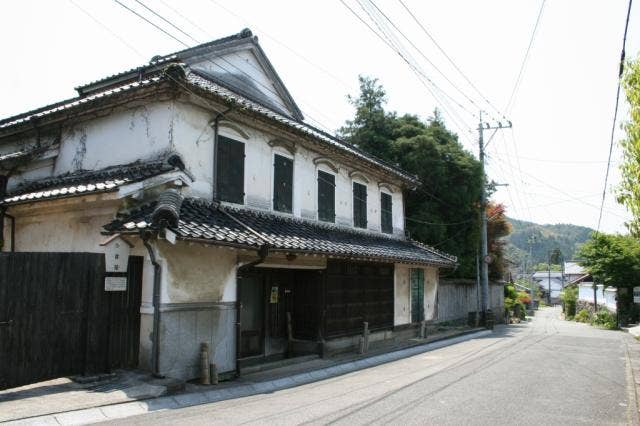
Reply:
x=614, y=260
x=629, y=188
x=444, y=210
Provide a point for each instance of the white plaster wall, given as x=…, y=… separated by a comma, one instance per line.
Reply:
x=71, y=225
x=402, y=305
x=197, y=273
x=193, y=140
x=120, y=138
x=430, y=293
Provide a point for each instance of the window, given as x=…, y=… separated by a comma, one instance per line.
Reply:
x=417, y=294
x=326, y=196
x=230, y=170
x=359, y=205
x=386, y=209
x=282, y=184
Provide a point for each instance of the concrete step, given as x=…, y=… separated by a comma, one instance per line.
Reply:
x=277, y=364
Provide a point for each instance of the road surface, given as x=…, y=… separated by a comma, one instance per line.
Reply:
x=545, y=372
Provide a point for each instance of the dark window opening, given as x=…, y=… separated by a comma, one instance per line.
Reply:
x=386, y=209
x=230, y=170
x=417, y=295
x=282, y=184
x=359, y=205
x=326, y=196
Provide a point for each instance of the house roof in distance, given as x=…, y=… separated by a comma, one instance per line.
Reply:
x=221, y=225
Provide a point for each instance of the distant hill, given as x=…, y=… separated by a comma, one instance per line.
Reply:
x=547, y=237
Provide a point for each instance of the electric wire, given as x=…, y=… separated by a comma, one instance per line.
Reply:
x=222, y=58
x=524, y=59
x=451, y=61
x=615, y=115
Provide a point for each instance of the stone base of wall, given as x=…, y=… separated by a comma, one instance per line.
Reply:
x=184, y=327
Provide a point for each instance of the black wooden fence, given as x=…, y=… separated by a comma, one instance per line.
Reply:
x=57, y=320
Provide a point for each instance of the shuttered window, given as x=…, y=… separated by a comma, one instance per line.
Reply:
x=359, y=205
x=417, y=294
x=386, y=208
x=230, y=170
x=326, y=196
x=282, y=184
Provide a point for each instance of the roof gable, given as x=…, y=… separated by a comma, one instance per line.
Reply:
x=237, y=62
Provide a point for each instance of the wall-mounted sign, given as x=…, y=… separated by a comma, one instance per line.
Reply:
x=636, y=295
x=116, y=253
x=274, y=295
x=115, y=283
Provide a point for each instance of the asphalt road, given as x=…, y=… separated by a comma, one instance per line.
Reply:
x=546, y=372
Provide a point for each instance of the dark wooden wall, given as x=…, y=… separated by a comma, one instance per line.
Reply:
x=57, y=320
x=356, y=292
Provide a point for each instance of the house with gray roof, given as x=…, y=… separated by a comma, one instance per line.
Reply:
x=258, y=234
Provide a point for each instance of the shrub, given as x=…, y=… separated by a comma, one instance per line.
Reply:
x=509, y=303
x=569, y=297
x=583, y=316
x=524, y=297
x=523, y=310
x=510, y=292
x=604, y=319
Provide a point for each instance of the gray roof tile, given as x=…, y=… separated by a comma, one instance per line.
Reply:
x=201, y=220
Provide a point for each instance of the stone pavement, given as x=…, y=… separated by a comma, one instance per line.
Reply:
x=29, y=409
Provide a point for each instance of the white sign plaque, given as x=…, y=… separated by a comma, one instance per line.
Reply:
x=116, y=254
x=115, y=283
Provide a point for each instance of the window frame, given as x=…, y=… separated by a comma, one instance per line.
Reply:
x=382, y=228
x=285, y=154
x=353, y=204
x=318, y=171
x=244, y=163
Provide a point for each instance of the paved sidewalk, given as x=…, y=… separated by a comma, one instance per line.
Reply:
x=264, y=382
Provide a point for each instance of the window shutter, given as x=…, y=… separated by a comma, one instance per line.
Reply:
x=230, y=170
x=386, y=217
x=283, y=184
x=326, y=196
x=359, y=205
x=417, y=294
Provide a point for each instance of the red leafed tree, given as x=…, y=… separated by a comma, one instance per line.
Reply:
x=498, y=227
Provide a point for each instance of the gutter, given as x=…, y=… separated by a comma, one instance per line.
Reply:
x=157, y=274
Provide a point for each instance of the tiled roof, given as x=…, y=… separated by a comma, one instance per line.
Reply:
x=87, y=181
x=203, y=221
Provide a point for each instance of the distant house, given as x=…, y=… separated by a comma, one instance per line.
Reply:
x=549, y=281
x=573, y=271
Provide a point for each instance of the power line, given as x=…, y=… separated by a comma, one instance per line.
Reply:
x=395, y=49
x=222, y=58
x=451, y=61
x=152, y=23
x=426, y=58
x=615, y=114
x=524, y=59
x=166, y=20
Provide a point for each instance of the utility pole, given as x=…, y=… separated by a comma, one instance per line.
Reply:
x=485, y=259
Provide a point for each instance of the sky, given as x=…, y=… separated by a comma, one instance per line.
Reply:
x=553, y=159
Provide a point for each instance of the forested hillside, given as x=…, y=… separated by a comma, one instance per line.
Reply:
x=565, y=237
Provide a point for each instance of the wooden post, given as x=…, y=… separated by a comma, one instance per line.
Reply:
x=289, y=335
x=423, y=329
x=366, y=337
x=204, y=364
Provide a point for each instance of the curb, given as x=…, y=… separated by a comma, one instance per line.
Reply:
x=134, y=408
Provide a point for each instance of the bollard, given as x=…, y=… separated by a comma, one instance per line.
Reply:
x=423, y=329
x=204, y=364
x=214, y=374
x=366, y=336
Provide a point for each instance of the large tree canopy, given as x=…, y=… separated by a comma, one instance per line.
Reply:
x=629, y=189
x=444, y=210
